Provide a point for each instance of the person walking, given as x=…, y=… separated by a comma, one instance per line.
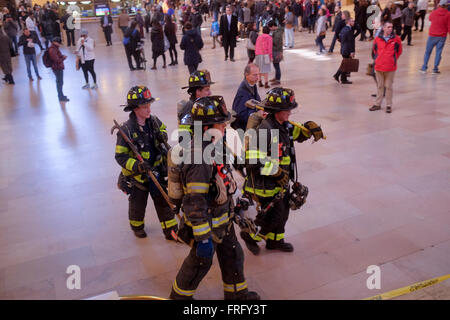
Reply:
x=191, y=43
x=106, y=22
x=28, y=40
x=422, y=6
x=149, y=136
x=57, y=59
x=85, y=51
x=321, y=31
x=5, y=57
x=347, y=37
x=157, y=38
x=288, y=27
x=387, y=48
x=228, y=32
x=263, y=53
x=339, y=23
x=277, y=50
x=11, y=29
x=124, y=20
x=69, y=27
x=251, y=42
x=214, y=31
x=131, y=42
x=170, y=31
x=439, y=28
x=407, y=22
x=208, y=224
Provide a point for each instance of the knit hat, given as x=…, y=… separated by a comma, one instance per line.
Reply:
x=83, y=32
x=443, y=2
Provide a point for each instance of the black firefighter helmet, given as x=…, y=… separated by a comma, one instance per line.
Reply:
x=279, y=99
x=199, y=78
x=209, y=110
x=138, y=95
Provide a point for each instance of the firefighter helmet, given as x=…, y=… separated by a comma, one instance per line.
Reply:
x=279, y=99
x=199, y=78
x=209, y=110
x=138, y=95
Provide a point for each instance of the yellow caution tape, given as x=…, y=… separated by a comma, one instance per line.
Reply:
x=405, y=290
x=141, y=298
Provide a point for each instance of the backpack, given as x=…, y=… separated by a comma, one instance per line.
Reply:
x=46, y=60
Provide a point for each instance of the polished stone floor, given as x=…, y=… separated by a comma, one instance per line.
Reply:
x=379, y=185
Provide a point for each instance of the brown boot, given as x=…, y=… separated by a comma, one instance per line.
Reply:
x=260, y=84
x=266, y=85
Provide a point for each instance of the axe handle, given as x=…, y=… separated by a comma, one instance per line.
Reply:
x=141, y=160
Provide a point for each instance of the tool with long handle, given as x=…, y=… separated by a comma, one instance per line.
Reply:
x=141, y=160
x=254, y=104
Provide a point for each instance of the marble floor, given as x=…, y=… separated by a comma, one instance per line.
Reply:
x=379, y=185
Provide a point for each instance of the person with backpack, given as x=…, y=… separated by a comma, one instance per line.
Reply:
x=57, y=64
x=131, y=42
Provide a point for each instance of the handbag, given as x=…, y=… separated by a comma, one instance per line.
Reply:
x=322, y=34
x=250, y=45
x=77, y=63
x=277, y=57
x=266, y=59
x=349, y=65
x=370, y=70
x=166, y=43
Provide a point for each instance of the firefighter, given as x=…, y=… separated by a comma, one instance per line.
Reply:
x=208, y=208
x=268, y=174
x=149, y=135
x=199, y=86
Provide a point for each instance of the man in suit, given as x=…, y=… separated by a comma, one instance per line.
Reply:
x=228, y=31
x=106, y=22
x=347, y=37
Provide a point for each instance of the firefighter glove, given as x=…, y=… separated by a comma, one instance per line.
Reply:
x=144, y=167
x=315, y=130
x=205, y=248
x=282, y=177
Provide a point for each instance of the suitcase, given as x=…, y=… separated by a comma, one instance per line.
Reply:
x=349, y=65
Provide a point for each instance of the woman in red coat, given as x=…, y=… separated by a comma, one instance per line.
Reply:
x=387, y=48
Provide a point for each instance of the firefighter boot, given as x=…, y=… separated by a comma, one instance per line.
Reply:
x=176, y=296
x=140, y=233
x=279, y=245
x=241, y=295
x=251, y=244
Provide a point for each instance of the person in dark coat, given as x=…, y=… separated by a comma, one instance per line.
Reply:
x=157, y=37
x=106, y=22
x=5, y=57
x=191, y=43
x=170, y=30
x=228, y=31
x=69, y=28
x=131, y=41
x=247, y=90
x=347, y=37
x=339, y=23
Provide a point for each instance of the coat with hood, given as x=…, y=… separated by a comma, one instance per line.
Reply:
x=191, y=43
x=440, y=23
x=157, y=37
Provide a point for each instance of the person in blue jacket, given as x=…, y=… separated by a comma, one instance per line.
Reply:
x=247, y=90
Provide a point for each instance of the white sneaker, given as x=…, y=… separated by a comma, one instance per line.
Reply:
x=86, y=86
x=95, y=86
x=422, y=71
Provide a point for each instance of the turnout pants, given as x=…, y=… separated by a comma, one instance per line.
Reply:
x=273, y=222
x=138, y=203
x=194, y=269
